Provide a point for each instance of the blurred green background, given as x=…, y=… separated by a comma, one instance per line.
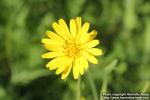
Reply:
x=124, y=32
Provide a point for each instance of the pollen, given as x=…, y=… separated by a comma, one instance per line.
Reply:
x=71, y=48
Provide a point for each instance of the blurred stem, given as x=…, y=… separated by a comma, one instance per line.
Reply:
x=104, y=88
x=146, y=86
x=78, y=88
x=93, y=88
x=129, y=17
x=8, y=46
x=107, y=72
x=110, y=67
x=147, y=41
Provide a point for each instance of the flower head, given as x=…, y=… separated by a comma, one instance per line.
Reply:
x=70, y=48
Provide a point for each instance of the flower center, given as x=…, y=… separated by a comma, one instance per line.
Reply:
x=71, y=49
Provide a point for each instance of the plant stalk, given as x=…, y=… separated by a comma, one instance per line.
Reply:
x=78, y=88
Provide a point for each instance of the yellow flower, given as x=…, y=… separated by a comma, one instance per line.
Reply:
x=70, y=48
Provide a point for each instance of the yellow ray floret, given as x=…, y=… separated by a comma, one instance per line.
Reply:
x=70, y=48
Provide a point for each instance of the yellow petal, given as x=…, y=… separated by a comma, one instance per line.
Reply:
x=58, y=30
x=91, y=44
x=54, y=36
x=55, y=63
x=78, y=22
x=89, y=57
x=95, y=51
x=81, y=70
x=66, y=72
x=52, y=54
x=83, y=31
x=54, y=47
x=50, y=41
x=88, y=37
x=64, y=28
x=92, y=35
x=73, y=28
x=66, y=62
x=84, y=38
x=46, y=41
x=76, y=69
x=84, y=63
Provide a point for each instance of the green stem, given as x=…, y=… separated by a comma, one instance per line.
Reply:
x=104, y=88
x=78, y=88
x=93, y=88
